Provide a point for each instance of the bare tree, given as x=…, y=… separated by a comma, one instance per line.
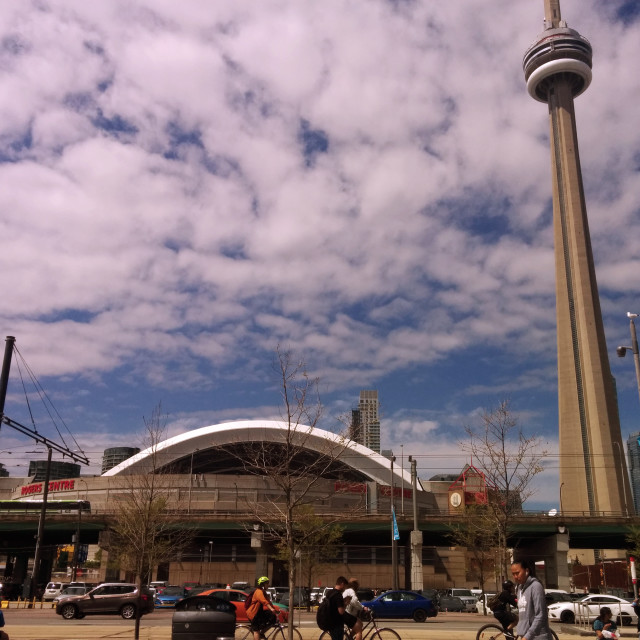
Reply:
x=321, y=544
x=510, y=460
x=295, y=475
x=144, y=532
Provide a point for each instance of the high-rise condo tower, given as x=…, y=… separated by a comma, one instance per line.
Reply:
x=593, y=476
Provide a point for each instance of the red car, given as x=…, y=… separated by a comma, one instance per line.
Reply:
x=238, y=598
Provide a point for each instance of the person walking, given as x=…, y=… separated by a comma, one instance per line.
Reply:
x=533, y=619
x=261, y=613
x=3, y=634
x=502, y=610
x=636, y=608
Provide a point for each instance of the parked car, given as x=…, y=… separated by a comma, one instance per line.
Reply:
x=366, y=594
x=169, y=597
x=432, y=594
x=483, y=603
x=315, y=594
x=402, y=604
x=110, y=597
x=52, y=590
x=451, y=603
x=241, y=586
x=238, y=599
x=199, y=617
x=323, y=593
x=300, y=598
x=551, y=597
x=589, y=608
x=469, y=600
x=70, y=591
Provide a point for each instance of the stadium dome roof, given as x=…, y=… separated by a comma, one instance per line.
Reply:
x=217, y=449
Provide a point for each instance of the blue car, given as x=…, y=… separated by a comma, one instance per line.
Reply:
x=402, y=604
x=169, y=596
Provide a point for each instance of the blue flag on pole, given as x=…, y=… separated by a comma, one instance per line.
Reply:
x=396, y=534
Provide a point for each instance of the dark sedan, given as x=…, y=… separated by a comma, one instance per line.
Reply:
x=402, y=604
x=199, y=617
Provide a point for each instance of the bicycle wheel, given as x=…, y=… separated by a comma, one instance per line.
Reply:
x=281, y=633
x=490, y=632
x=325, y=635
x=385, y=634
x=243, y=632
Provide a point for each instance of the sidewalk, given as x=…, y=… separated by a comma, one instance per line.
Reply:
x=89, y=629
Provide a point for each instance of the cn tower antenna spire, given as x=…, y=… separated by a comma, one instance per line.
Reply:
x=552, y=15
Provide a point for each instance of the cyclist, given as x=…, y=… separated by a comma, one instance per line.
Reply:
x=353, y=608
x=261, y=613
x=502, y=610
x=336, y=609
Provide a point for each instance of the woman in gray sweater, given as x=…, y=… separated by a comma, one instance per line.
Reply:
x=533, y=623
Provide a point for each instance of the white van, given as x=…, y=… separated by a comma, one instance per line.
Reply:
x=52, y=590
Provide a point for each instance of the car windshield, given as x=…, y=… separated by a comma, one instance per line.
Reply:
x=73, y=591
x=462, y=592
x=173, y=591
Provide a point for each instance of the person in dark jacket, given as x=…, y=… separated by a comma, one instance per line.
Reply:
x=636, y=608
x=502, y=611
x=533, y=618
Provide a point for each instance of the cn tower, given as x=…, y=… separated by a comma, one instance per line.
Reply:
x=593, y=477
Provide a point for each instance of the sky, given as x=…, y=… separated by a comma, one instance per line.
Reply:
x=184, y=187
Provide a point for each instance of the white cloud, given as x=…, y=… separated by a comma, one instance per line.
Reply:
x=162, y=221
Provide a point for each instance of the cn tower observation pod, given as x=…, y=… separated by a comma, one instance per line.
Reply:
x=557, y=51
x=217, y=449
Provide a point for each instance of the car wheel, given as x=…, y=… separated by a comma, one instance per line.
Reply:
x=128, y=611
x=623, y=621
x=68, y=612
x=568, y=617
x=420, y=615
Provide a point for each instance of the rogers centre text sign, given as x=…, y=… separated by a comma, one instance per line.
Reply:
x=54, y=485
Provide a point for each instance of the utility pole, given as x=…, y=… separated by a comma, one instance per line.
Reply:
x=417, y=579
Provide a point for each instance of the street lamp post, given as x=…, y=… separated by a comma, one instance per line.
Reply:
x=209, y=565
x=394, y=542
x=191, y=480
x=621, y=351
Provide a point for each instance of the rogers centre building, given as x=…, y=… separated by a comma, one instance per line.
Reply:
x=205, y=480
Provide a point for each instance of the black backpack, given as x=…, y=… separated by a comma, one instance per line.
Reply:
x=494, y=602
x=323, y=615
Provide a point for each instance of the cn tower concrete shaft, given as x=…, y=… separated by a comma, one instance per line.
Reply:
x=557, y=68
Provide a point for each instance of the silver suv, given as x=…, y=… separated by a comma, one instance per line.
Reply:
x=109, y=597
x=468, y=599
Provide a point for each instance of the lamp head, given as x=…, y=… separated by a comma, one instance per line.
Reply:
x=631, y=315
x=621, y=351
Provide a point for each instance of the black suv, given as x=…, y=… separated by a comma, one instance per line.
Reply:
x=110, y=597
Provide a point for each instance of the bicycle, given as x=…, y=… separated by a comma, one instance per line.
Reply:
x=276, y=631
x=370, y=631
x=493, y=631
